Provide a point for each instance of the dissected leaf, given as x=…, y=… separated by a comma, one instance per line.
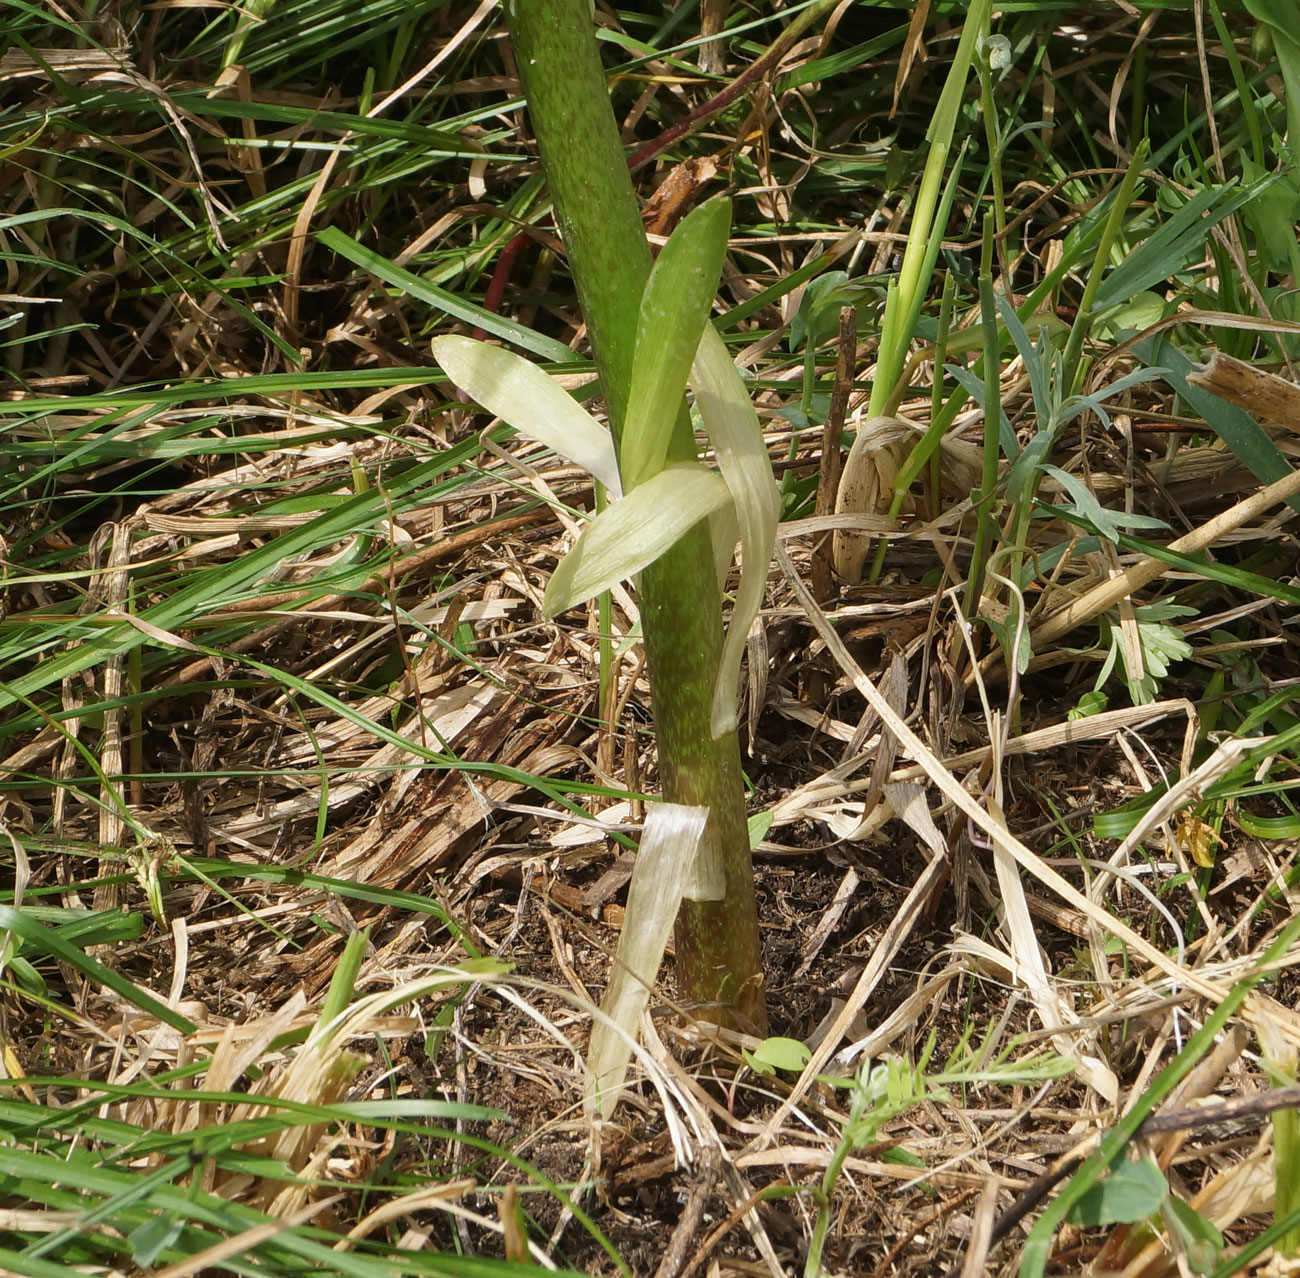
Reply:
x=525, y=397
x=732, y=425
x=1087, y=507
x=674, y=309
x=634, y=532
x=1086, y=504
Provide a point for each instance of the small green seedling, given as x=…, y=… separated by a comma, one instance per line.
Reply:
x=1160, y=645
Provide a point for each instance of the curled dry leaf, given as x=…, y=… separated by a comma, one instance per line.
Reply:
x=664, y=863
x=867, y=487
x=881, y=446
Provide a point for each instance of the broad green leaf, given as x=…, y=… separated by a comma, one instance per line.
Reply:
x=634, y=532
x=810, y=320
x=759, y=824
x=672, y=837
x=732, y=425
x=818, y=318
x=525, y=397
x=1130, y=1191
x=674, y=309
x=1283, y=23
x=153, y=1236
x=1275, y=208
x=1138, y=312
x=1090, y=703
x=776, y=1053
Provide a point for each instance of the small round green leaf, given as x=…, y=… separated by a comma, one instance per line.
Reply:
x=776, y=1053
x=1128, y=1192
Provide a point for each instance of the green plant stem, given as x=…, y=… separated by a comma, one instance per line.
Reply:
x=904, y=301
x=1114, y=222
x=992, y=424
x=823, y=1194
x=936, y=389
x=993, y=138
x=718, y=960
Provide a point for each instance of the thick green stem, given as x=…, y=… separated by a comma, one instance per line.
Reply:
x=718, y=962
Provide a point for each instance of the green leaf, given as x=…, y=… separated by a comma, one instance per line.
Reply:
x=1275, y=208
x=903, y=1158
x=16, y=921
x=818, y=301
x=1090, y=703
x=634, y=532
x=1088, y=508
x=1014, y=639
x=413, y=286
x=737, y=438
x=1174, y=245
x=1086, y=504
x=818, y=318
x=531, y=401
x=1284, y=25
x=1139, y=312
x=1130, y=1191
x=776, y=1053
x=674, y=309
x=149, y=1240
x=1202, y=1241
